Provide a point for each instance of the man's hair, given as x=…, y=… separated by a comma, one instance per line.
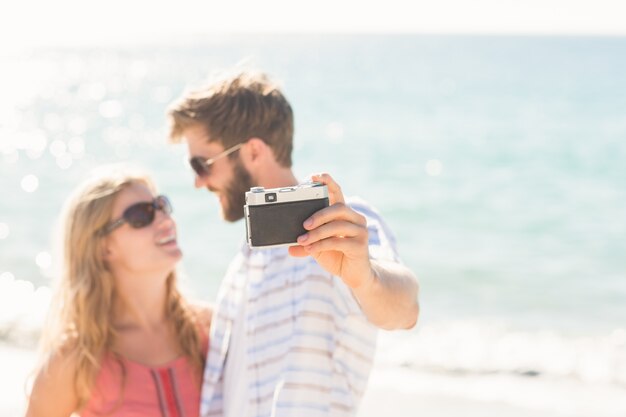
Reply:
x=235, y=109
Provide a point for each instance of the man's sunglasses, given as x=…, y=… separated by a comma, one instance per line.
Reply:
x=202, y=167
x=141, y=214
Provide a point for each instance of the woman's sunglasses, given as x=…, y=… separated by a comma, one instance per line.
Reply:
x=141, y=214
x=202, y=167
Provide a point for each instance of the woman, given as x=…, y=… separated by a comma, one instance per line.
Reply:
x=123, y=340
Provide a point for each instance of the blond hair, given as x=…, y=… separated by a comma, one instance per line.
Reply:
x=235, y=109
x=80, y=319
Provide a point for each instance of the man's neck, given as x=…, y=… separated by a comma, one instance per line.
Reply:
x=276, y=177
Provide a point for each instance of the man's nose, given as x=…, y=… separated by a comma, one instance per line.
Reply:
x=200, y=182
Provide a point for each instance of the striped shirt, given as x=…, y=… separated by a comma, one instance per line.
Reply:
x=308, y=347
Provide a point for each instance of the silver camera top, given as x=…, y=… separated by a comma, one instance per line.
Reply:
x=305, y=191
x=275, y=216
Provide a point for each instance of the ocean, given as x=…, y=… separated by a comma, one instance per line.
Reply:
x=499, y=163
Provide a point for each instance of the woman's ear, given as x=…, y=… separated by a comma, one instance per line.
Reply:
x=106, y=249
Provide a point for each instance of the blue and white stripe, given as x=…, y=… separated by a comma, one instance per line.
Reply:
x=309, y=347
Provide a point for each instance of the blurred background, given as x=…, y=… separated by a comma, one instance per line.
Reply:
x=492, y=139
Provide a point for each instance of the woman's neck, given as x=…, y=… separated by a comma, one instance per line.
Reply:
x=140, y=303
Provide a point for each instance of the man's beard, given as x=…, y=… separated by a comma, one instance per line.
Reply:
x=235, y=192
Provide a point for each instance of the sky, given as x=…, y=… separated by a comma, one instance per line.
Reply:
x=75, y=22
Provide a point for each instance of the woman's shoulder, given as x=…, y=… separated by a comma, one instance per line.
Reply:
x=56, y=372
x=63, y=356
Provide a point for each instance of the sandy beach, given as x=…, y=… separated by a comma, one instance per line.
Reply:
x=392, y=392
x=404, y=393
x=381, y=398
x=16, y=364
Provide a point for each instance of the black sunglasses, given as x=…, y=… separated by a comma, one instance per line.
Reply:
x=141, y=214
x=202, y=167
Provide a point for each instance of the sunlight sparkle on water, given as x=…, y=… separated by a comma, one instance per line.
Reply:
x=335, y=132
x=162, y=94
x=95, y=91
x=136, y=122
x=77, y=125
x=110, y=109
x=76, y=146
x=138, y=69
x=53, y=122
x=65, y=161
x=58, y=148
x=433, y=167
x=35, y=141
x=30, y=183
x=21, y=306
x=6, y=278
x=43, y=260
x=33, y=154
x=11, y=156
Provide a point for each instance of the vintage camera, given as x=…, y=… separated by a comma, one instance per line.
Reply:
x=274, y=216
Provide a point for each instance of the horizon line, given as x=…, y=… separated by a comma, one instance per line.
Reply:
x=154, y=39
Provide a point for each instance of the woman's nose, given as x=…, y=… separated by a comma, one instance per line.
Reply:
x=163, y=218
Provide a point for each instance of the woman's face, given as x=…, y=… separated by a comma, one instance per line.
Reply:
x=146, y=250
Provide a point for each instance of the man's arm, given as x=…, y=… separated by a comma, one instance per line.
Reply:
x=337, y=238
x=389, y=299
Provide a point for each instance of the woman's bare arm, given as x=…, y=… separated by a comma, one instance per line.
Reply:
x=53, y=393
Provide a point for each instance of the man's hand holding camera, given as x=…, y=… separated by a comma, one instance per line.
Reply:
x=337, y=238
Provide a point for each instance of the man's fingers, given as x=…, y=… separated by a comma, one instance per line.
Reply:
x=345, y=246
x=298, y=251
x=335, y=195
x=337, y=212
x=340, y=229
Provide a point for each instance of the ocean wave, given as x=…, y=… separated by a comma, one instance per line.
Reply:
x=456, y=347
x=482, y=347
x=23, y=309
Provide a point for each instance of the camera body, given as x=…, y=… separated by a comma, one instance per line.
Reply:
x=274, y=216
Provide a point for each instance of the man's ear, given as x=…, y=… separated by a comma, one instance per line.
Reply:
x=256, y=150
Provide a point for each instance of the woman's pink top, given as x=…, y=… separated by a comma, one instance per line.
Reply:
x=171, y=390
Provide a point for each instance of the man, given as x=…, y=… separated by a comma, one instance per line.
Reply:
x=294, y=330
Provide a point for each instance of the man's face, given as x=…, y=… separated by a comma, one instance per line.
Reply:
x=227, y=178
